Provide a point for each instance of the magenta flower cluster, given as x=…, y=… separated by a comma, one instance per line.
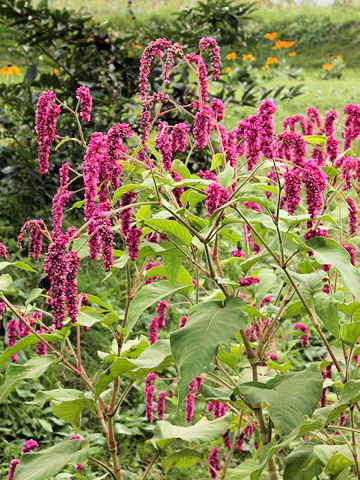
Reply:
x=84, y=97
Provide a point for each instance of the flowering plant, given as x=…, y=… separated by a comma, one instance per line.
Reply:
x=334, y=69
x=254, y=258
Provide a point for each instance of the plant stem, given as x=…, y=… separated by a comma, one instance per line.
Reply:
x=98, y=462
x=151, y=464
x=231, y=451
x=353, y=442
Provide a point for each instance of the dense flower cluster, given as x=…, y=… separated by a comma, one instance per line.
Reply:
x=214, y=50
x=214, y=463
x=47, y=113
x=304, y=329
x=315, y=183
x=35, y=237
x=216, y=197
x=149, y=396
x=160, y=403
x=3, y=251
x=353, y=215
x=247, y=281
x=84, y=97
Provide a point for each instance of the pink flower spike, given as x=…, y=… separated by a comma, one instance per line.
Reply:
x=214, y=463
x=214, y=51
x=3, y=251
x=13, y=465
x=161, y=405
x=83, y=95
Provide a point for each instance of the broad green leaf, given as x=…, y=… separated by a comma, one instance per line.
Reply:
x=179, y=167
x=243, y=471
x=33, y=368
x=311, y=281
x=101, y=303
x=327, y=251
x=350, y=332
x=182, y=459
x=71, y=411
x=88, y=319
x=35, y=293
x=225, y=178
x=326, y=309
x=350, y=393
x=316, y=139
x=25, y=342
x=217, y=160
x=127, y=188
x=171, y=267
x=334, y=457
x=149, y=295
x=192, y=198
x=195, y=346
x=290, y=398
x=23, y=266
x=154, y=358
x=299, y=464
x=5, y=282
x=44, y=464
x=59, y=395
x=170, y=226
x=220, y=394
x=81, y=243
x=203, y=431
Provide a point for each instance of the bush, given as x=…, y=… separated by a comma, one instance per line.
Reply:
x=241, y=291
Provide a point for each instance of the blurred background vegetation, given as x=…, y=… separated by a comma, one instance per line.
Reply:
x=60, y=44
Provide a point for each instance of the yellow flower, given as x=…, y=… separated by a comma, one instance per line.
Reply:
x=339, y=57
x=292, y=54
x=249, y=57
x=327, y=66
x=265, y=67
x=271, y=60
x=55, y=72
x=271, y=35
x=10, y=70
x=227, y=70
x=231, y=56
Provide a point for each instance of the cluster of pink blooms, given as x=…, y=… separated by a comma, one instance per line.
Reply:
x=158, y=322
x=28, y=447
x=290, y=123
x=164, y=145
x=17, y=329
x=214, y=51
x=214, y=463
x=247, y=281
x=3, y=251
x=351, y=251
x=84, y=97
x=292, y=189
x=247, y=432
x=315, y=183
x=238, y=253
x=304, y=329
x=353, y=215
x=183, y=321
x=101, y=237
x=47, y=113
x=35, y=237
x=149, y=398
x=193, y=388
x=216, y=197
x=61, y=270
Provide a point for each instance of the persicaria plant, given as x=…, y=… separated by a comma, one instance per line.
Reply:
x=240, y=321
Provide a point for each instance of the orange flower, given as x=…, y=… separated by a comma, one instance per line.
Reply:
x=265, y=67
x=271, y=60
x=249, y=57
x=332, y=57
x=55, y=72
x=339, y=57
x=227, y=70
x=136, y=45
x=10, y=70
x=271, y=35
x=231, y=56
x=282, y=44
x=292, y=54
x=327, y=66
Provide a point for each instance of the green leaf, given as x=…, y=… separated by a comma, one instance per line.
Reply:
x=290, y=398
x=326, y=309
x=59, y=395
x=5, y=282
x=226, y=177
x=127, y=188
x=203, y=431
x=243, y=471
x=334, y=457
x=88, y=319
x=192, y=198
x=170, y=226
x=42, y=465
x=33, y=368
x=101, y=303
x=179, y=167
x=350, y=333
x=23, y=343
x=217, y=160
x=31, y=74
x=172, y=267
x=149, y=295
x=35, y=293
x=327, y=251
x=299, y=464
x=71, y=411
x=316, y=139
x=195, y=346
x=182, y=459
x=350, y=393
x=154, y=358
x=21, y=265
